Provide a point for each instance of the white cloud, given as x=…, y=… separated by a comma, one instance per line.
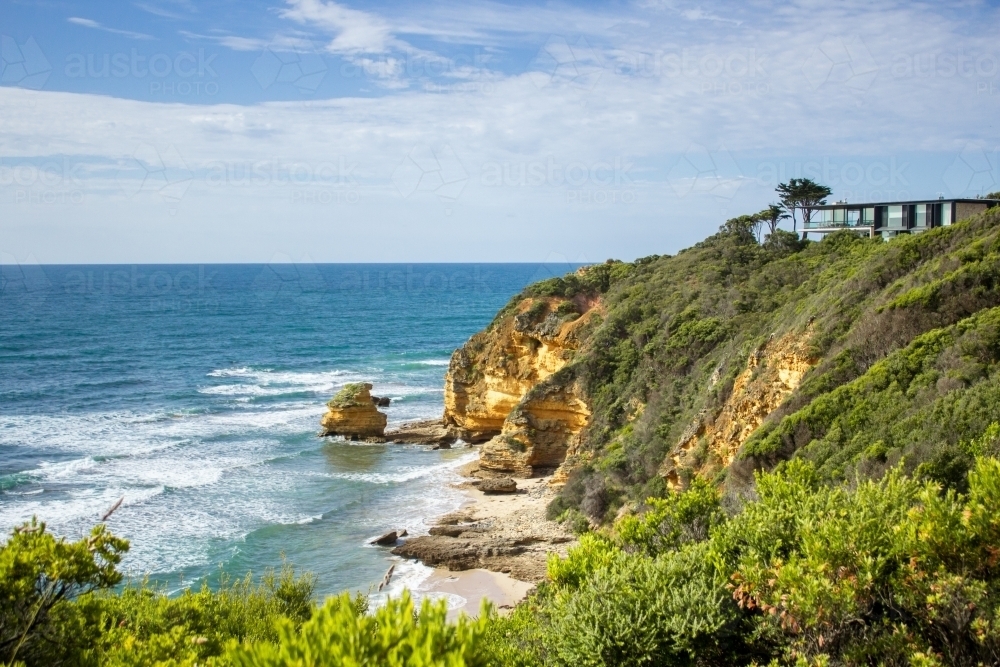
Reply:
x=90, y=23
x=280, y=42
x=355, y=31
x=827, y=84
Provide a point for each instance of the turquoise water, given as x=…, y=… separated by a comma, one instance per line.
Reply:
x=196, y=391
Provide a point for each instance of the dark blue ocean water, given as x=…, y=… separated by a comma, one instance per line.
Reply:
x=195, y=392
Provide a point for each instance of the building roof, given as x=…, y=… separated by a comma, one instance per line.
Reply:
x=908, y=201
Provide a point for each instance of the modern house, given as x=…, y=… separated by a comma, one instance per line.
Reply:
x=888, y=219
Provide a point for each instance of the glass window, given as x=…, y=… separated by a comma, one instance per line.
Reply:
x=946, y=213
x=894, y=218
x=853, y=216
x=838, y=216
x=869, y=216
x=920, y=219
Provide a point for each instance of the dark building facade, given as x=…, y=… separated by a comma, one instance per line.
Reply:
x=888, y=219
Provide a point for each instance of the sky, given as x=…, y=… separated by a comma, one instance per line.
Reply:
x=175, y=131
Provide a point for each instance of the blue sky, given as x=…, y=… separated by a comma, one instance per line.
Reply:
x=311, y=130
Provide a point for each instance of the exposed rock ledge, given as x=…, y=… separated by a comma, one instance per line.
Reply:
x=352, y=414
x=505, y=533
x=772, y=373
x=426, y=432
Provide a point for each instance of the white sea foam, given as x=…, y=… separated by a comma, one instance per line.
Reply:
x=267, y=376
x=84, y=505
x=242, y=371
x=406, y=575
x=433, y=362
x=197, y=481
x=33, y=492
x=405, y=473
x=413, y=576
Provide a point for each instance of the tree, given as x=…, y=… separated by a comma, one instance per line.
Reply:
x=745, y=227
x=40, y=576
x=772, y=215
x=802, y=193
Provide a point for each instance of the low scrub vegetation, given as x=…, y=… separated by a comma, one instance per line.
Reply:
x=894, y=571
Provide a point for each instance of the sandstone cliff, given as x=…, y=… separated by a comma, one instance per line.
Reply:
x=352, y=414
x=540, y=433
x=501, y=386
x=772, y=372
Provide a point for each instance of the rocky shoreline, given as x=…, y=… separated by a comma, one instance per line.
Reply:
x=501, y=528
x=501, y=532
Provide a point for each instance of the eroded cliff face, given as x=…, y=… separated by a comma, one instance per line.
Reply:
x=502, y=387
x=772, y=372
x=495, y=369
x=542, y=433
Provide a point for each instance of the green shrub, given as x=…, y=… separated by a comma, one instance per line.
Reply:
x=672, y=610
x=594, y=552
x=40, y=578
x=567, y=308
x=339, y=635
x=917, y=403
x=673, y=521
x=142, y=625
x=347, y=397
x=575, y=520
x=515, y=640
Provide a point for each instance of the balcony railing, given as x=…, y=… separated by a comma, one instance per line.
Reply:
x=849, y=224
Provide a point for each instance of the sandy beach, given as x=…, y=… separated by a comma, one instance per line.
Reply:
x=494, y=547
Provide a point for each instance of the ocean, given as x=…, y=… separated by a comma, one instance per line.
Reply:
x=195, y=393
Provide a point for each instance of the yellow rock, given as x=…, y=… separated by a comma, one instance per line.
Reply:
x=490, y=381
x=352, y=414
x=540, y=433
x=772, y=373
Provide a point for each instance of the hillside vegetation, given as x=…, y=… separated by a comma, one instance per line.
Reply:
x=791, y=459
x=895, y=376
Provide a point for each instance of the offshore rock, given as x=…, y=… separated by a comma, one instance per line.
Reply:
x=386, y=540
x=352, y=414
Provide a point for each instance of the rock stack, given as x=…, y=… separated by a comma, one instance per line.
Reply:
x=353, y=415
